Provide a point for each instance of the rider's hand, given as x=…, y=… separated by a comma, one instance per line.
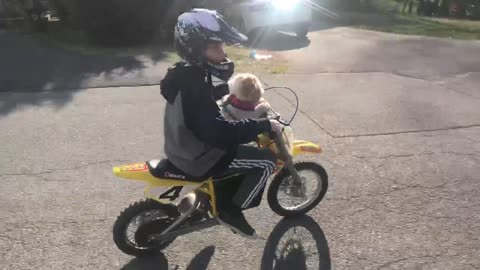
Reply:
x=276, y=126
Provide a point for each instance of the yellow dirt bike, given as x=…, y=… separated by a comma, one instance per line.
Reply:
x=177, y=204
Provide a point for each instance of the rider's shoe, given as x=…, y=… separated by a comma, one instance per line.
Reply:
x=235, y=220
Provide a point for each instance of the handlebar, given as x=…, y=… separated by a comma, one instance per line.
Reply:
x=278, y=118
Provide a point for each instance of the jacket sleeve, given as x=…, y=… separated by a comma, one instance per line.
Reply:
x=220, y=91
x=203, y=118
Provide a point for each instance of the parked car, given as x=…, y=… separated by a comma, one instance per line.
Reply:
x=37, y=13
x=472, y=9
x=249, y=16
x=465, y=9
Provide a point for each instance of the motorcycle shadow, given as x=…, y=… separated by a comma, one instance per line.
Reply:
x=199, y=262
x=296, y=243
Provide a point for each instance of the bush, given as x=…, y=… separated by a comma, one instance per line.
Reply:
x=64, y=9
x=344, y=5
x=12, y=9
x=114, y=22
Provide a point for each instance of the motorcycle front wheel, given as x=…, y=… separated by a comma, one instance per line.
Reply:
x=288, y=197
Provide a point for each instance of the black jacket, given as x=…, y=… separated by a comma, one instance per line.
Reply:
x=192, y=101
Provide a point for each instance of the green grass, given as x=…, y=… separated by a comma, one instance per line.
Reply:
x=243, y=63
x=465, y=24
x=413, y=25
x=387, y=16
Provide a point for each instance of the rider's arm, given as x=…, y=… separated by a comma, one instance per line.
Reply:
x=202, y=116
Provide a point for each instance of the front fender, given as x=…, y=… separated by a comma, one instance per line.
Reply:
x=305, y=147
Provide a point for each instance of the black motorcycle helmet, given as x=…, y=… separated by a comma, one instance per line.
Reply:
x=197, y=28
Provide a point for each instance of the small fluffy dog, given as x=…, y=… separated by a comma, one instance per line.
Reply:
x=246, y=98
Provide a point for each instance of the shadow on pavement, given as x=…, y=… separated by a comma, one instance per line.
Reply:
x=296, y=243
x=278, y=41
x=283, y=41
x=147, y=263
x=30, y=65
x=202, y=259
x=199, y=262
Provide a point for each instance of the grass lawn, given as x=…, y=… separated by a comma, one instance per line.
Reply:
x=414, y=25
x=386, y=16
x=243, y=63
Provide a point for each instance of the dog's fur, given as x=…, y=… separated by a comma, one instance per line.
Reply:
x=247, y=87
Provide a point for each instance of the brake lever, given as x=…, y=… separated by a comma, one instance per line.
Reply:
x=283, y=122
x=278, y=118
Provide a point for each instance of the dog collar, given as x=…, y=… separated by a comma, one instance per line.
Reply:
x=240, y=104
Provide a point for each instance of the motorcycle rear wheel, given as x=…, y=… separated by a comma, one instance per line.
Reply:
x=150, y=217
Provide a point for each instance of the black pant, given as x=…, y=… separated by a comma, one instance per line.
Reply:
x=254, y=166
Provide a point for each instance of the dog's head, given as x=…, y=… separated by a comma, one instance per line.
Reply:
x=246, y=87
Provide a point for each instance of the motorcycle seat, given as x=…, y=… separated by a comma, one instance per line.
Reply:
x=164, y=169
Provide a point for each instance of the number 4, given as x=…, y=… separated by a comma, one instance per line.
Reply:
x=172, y=193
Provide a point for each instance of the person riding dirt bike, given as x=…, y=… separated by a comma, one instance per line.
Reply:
x=198, y=140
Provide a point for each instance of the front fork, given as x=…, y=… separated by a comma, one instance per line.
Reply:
x=286, y=158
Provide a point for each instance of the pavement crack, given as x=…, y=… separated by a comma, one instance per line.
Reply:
x=417, y=216
x=305, y=114
x=410, y=258
x=35, y=224
x=470, y=139
x=474, y=266
x=399, y=189
x=356, y=212
x=416, y=154
x=394, y=155
x=462, y=93
x=43, y=178
x=407, y=187
x=394, y=73
x=359, y=258
x=405, y=132
x=315, y=122
x=459, y=153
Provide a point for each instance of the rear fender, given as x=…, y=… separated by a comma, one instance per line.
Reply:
x=135, y=171
x=159, y=189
